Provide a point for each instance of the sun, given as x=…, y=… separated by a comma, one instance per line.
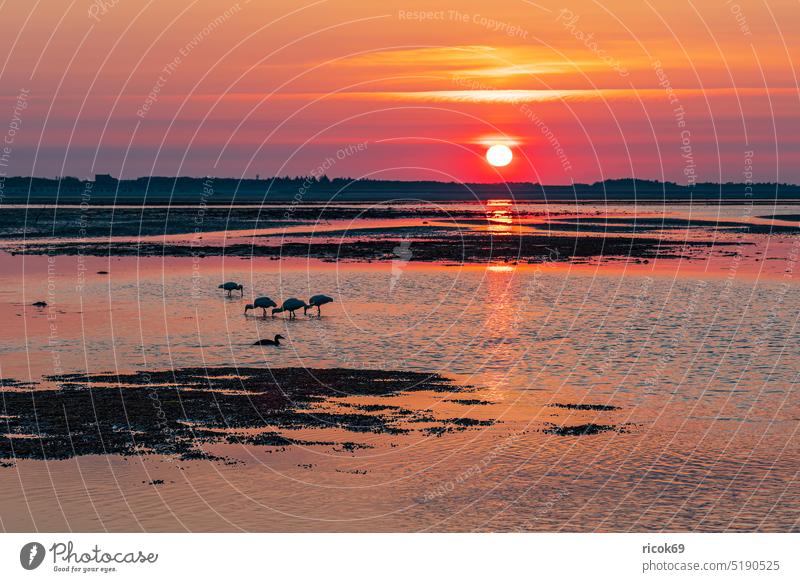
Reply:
x=499, y=155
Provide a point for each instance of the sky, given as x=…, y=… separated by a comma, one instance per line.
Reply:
x=685, y=91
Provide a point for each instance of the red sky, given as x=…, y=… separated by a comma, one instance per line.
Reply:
x=582, y=90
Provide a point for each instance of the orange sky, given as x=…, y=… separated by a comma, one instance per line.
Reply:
x=583, y=90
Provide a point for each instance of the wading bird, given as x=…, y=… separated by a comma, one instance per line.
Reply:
x=231, y=286
x=291, y=305
x=317, y=301
x=269, y=342
x=260, y=303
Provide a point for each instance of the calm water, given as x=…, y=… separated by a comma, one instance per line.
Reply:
x=701, y=357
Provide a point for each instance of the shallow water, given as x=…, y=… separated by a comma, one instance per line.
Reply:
x=700, y=357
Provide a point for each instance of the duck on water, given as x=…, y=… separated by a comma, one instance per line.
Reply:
x=270, y=342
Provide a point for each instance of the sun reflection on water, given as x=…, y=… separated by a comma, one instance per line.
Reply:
x=498, y=215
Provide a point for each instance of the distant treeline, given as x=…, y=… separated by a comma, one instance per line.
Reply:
x=105, y=190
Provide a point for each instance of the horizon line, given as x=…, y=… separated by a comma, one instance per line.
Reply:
x=108, y=178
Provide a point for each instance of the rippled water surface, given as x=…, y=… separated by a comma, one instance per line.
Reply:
x=699, y=359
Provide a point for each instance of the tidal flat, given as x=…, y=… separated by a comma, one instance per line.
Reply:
x=482, y=367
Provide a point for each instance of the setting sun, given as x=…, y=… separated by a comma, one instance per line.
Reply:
x=499, y=155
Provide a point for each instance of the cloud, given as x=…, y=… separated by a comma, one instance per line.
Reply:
x=465, y=60
x=480, y=95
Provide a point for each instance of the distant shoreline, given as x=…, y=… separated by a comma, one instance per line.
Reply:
x=123, y=202
x=105, y=190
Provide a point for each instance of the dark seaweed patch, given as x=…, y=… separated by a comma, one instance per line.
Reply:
x=587, y=429
x=464, y=421
x=578, y=429
x=374, y=407
x=584, y=406
x=176, y=412
x=351, y=447
x=462, y=247
x=267, y=438
x=437, y=430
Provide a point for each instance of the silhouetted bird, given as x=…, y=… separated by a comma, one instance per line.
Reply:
x=291, y=305
x=231, y=286
x=269, y=342
x=317, y=301
x=260, y=303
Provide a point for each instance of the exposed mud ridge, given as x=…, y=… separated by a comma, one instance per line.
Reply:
x=787, y=217
x=464, y=247
x=11, y=383
x=645, y=224
x=584, y=406
x=74, y=222
x=176, y=413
